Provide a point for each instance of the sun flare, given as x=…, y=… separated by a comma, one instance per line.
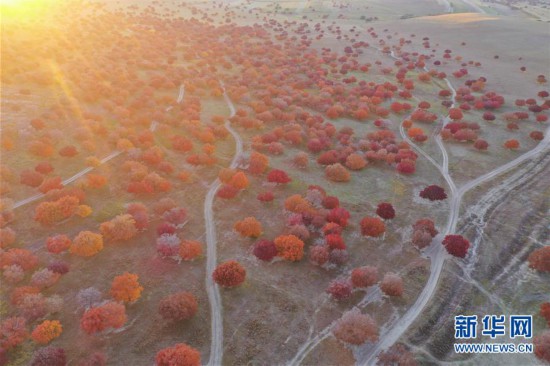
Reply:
x=20, y=9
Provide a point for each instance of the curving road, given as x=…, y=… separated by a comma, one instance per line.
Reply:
x=216, y=345
x=435, y=252
x=114, y=154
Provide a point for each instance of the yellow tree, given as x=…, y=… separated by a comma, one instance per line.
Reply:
x=86, y=244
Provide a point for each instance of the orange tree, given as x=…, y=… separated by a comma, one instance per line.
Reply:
x=126, y=287
x=289, y=247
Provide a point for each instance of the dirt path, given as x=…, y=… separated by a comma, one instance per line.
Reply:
x=114, y=154
x=216, y=319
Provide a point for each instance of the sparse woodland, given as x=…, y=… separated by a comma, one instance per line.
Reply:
x=117, y=125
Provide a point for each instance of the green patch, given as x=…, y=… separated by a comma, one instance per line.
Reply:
x=109, y=210
x=22, y=354
x=211, y=107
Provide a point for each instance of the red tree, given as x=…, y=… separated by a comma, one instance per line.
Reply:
x=266, y=196
x=339, y=215
x=328, y=158
x=339, y=289
x=433, y=193
x=43, y=167
x=536, y=135
x=141, y=219
x=512, y=144
x=319, y=254
x=392, y=285
x=175, y=216
x=335, y=241
x=331, y=202
x=165, y=228
x=178, y=355
x=406, y=167
x=372, y=226
x=109, y=315
x=178, y=306
x=13, y=331
x=181, y=144
x=31, y=178
x=265, y=250
x=397, y=354
x=338, y=256
x=385, y=210
x=278, y=176
x=364, y=276
x=481, y=144
x=427, y=225
x=355, y=328
x=96, y=181
x=455, y=114
x=68, y=151
x=539, y=259
x=227, y=191
x=542, y=345
x=456, y=245
x=488, y=116
x=229, y=274
x=21, y=257
x=7, y=237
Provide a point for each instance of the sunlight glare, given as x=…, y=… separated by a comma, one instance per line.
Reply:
x=25, y=8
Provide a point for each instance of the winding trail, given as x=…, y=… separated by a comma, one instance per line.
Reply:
x=114, y=154
x=212, y=289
